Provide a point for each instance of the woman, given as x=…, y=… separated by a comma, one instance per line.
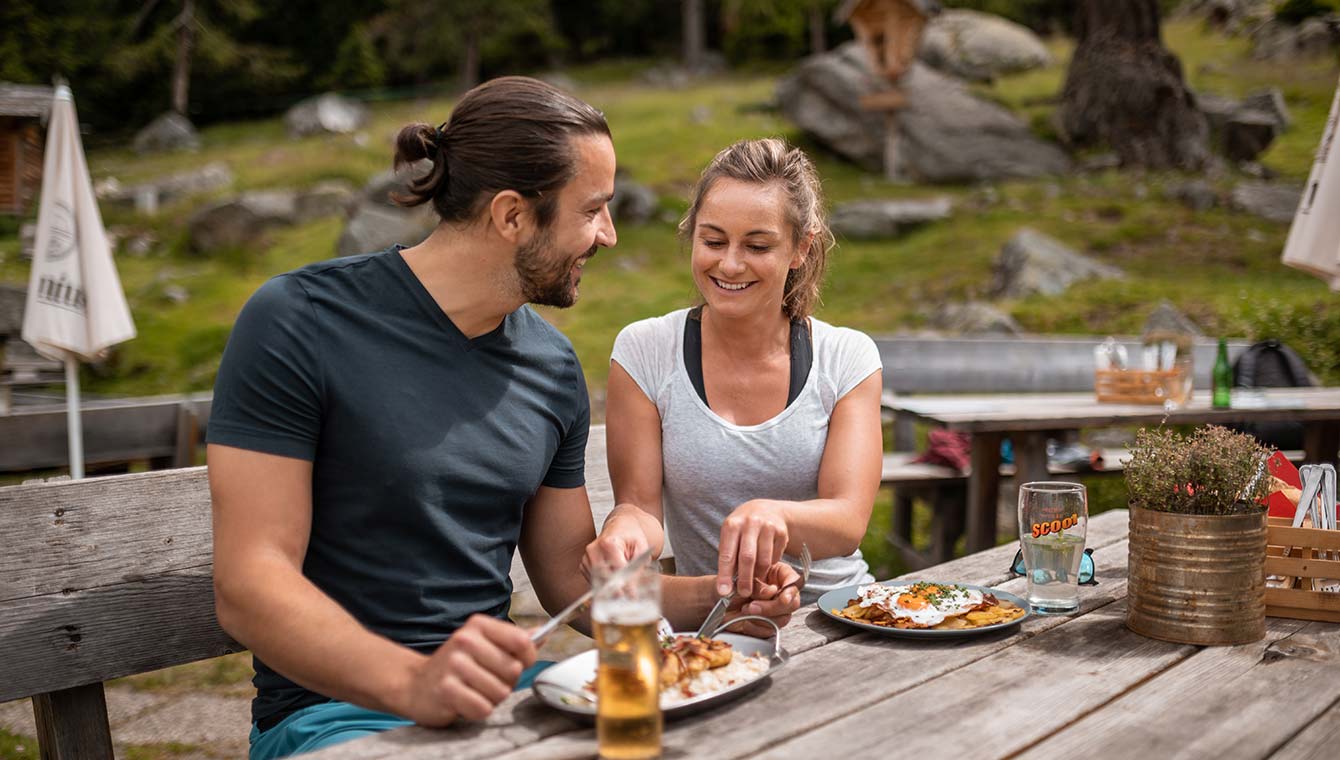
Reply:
x=748, y=425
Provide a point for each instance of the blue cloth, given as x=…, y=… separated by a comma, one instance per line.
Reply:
x=425, y=444
x=317, y=726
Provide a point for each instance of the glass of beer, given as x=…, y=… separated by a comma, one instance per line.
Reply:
x=628, y=694
x=1053, y=523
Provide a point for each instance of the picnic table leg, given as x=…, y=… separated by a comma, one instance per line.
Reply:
x=72, y=724
x=1321, y=442
x=1030, y=457
x=983, y=491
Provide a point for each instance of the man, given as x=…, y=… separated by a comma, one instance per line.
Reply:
x=388, y=428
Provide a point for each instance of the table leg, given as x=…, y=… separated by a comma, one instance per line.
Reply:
x=1321, y=442
x=1030, y=457
x=983, y=491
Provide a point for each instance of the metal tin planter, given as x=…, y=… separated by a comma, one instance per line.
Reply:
x=1197, y=579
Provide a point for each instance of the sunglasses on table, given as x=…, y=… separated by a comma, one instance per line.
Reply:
x=1086, y=571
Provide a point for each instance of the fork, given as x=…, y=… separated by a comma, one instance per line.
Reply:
x=805, y=558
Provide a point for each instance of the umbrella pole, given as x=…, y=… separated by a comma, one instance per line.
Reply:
x=76, y=428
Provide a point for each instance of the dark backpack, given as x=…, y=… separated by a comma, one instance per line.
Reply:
x=1271, y=364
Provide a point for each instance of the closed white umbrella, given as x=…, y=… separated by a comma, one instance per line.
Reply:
x=75, y=308
x=1314, y=238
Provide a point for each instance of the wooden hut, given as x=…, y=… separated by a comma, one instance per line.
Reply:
x=23, y=109
x=889, y=30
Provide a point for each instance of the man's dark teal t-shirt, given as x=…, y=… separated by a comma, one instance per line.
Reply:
x=425, y=445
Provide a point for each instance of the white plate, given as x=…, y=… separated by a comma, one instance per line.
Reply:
x=557, y=685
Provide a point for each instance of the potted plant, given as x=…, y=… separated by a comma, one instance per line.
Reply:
x=1197, y=536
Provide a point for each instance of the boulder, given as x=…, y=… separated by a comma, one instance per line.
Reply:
x=633, y=203
x=1247, y=135
x=822, y=96
x=329, y=198
x=945, y=134
x=377, y=222
x=1274, y=201
x=1269, y=101
x=1167, y=320
x=1218, y=109
x=149, y=195
x=373, y=227
x=168, y=132
x=975, y=318
x=1196, y=195
x=328, y=112
x=1278, y=41
x=980, y=46
x=869, y=220
x=240, y=221
x=1035, y=263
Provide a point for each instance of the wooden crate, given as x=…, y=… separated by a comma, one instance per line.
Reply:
x=1133, y=386
x=1300, y=567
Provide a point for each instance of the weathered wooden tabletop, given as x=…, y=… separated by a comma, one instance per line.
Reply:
x=1027, y=418
x=1078, y=686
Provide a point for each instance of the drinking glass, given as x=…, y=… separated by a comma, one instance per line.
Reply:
x=1053, y=523
x=628, y=694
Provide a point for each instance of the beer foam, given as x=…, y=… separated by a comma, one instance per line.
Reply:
x=626, y=612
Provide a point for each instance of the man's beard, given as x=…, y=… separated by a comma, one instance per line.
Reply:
x=543, y=275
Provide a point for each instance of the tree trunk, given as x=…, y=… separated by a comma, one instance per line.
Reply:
x=1125, y=90
x=694, y=32
x=818, y=29
x=470, y=60
x=181, y=72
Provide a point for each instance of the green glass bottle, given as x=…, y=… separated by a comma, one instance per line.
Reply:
x=1223, y=378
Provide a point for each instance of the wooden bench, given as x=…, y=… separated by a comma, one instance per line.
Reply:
x=166, y=431
x=109, y=577
x=919, y=364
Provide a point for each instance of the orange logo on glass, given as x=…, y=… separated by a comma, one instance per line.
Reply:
x=1055, y=526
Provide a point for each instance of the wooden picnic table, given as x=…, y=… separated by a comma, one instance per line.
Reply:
x=1028, y=418
x=1069, y=686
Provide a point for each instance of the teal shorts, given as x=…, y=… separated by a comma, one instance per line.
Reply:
x=312, y=728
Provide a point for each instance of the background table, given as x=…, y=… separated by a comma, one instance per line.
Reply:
x=1027, y=418
x=1055, y=687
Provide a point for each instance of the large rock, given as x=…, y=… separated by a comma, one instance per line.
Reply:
x=377, y=222
x=1270, y=101
x=945, y=134
x=149, y=195
x=329, y=198
x=1196, y=194
x=1269, y=200
x=822, y=96
x=168, y=132
x=869, y=220
x=1035, y=263
x=980, y=46
x=975, y=318
x=1278, y=41
x=632, y=203
x=1247, y=135
x=241, y=221
x=328, y=112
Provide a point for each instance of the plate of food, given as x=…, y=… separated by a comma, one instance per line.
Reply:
x=924, y=609
x=695, y=673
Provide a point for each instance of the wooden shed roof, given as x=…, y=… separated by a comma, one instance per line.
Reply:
x=30, y=100
x=928, y=8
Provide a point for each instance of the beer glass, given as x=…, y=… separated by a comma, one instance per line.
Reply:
x=628, y=695
x=1053, y=523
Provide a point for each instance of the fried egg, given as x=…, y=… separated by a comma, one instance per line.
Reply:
x=924, y=604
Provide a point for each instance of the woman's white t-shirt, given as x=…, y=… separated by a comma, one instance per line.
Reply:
x=711, y=466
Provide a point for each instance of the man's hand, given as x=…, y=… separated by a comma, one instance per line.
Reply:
x=622, y=538
x=767, y=602
x=753, y=538
x=471, y=673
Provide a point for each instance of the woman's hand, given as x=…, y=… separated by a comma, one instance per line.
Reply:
x=753, y=539
x=767, y=602
x=622, y=538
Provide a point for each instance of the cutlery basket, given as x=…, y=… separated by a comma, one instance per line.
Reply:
x=1291, y=577
x=1133, y=386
